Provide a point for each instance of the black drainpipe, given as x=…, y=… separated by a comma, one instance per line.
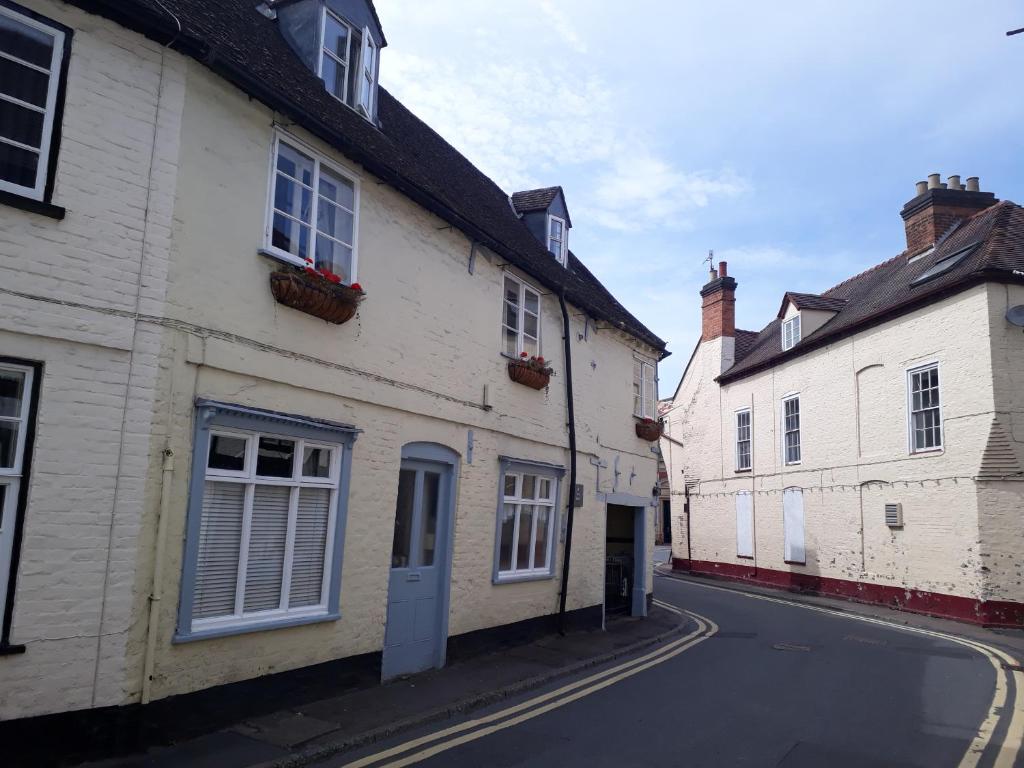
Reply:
x=570, y=413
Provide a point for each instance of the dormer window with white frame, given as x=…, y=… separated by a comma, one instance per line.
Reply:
x=348, y=63
x=558, y=238
x=790, y=332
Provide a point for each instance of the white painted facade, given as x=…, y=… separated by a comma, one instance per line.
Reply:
x=152, y=293
x=961, y=536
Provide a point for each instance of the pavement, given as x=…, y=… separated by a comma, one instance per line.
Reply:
x=315, y=729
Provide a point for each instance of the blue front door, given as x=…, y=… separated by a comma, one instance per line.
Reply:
x=414, y=639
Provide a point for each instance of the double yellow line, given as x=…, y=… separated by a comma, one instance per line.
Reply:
x=416, y=750
x=1007, y=751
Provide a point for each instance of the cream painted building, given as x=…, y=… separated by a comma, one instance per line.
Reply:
x=202, y=481
x=869, y=441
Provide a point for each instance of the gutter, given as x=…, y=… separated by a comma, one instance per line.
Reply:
x=570, y=496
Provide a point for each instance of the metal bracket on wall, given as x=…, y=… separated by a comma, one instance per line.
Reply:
x=469, y=447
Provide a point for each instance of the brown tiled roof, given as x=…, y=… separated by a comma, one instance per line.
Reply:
x=534, y=199
x=246, y=49
x=744, y=343
x=812, y=301
x=886, y=290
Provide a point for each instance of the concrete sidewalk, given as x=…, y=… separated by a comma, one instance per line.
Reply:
x=318, y=728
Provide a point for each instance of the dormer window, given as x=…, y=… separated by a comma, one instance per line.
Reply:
x=348, y=63
x=557, y=237
x=791, y=332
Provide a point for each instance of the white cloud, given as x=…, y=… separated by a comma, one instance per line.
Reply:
x=562, y=26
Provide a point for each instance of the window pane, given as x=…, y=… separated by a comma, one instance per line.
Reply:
x=292, y=198
x=403, y=519
x=428, y=535
x=530, y=324
x=310, y=546
x=336, y=37
x=510, y=485
x=545, y=489
x=316, y=462
x=511, y=316
x=267, y=537
x=353, y=70
x=23, y=83
x=511, y=292
x=525, y=533
x=540, y=547
x=227, y=453
x=290, y=236
x=274, y=457
x=529, y=487
x=335, y=256
x=333, y=75
x=21, y=124
x=12, y=390
x=295, y=164
x=25, y=42
x=508, y=519
x=8, y=443
x=531, y=302
x=530, y=346
x=337, y=190
x=334, y=221
x=220, y=537
x=18, y=166
x=511, y=343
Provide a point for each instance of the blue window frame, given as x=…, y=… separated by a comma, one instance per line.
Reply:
x=266, y=521
x=527, y=523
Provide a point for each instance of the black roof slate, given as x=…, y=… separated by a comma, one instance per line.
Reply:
x=534, y=199
x=244, y=47
x=885, y=290
x=812, y=301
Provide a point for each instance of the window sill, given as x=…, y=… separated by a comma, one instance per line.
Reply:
x=795, y=562
x=11, y=650
x=793, y=463
x=927, y=451
x=207, y=634
x=32, y=206
x=746, y=557
x=512, y=578
x=742, y=471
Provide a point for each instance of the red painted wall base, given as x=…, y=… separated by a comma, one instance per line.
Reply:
x=989, y=613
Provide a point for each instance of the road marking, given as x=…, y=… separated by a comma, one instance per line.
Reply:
x=555, y=699
x=1011, y=745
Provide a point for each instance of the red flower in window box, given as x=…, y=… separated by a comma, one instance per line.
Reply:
x=317, y=292
x=532, y=372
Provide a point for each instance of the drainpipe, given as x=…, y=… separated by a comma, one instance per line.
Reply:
x=570, y=414
x=158, y=570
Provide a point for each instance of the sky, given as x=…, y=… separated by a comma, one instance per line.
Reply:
x=784, y=136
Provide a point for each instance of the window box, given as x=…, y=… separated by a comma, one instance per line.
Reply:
x=531, y=373
x=648, y=429
x=316, y=296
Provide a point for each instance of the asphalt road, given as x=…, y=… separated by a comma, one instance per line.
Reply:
x=774, y=685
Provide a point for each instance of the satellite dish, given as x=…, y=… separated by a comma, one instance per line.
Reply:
x=1016, y=315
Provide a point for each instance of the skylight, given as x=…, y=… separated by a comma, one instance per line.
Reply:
x=944, y=264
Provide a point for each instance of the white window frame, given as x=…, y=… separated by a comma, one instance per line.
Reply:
x=911, y=445
x=648, y=383
x=786, y=431
x=563, y=244
x=38, y=190
x=532, y=569
x=791, y=332
x=12, y=477
x=520, y=317
x=248, y=477
x=365, y=102
x=319, y=160
x=739, y=440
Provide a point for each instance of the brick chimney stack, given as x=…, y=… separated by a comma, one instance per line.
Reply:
x=937, y=205
x=719, y=305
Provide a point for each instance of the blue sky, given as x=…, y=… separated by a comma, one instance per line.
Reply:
x=785, y=136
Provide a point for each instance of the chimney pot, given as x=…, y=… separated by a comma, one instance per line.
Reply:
x=933, y=181
x=933, y=211
x=954, y=182
x=922, y=187
x=723, y=269
x=973, y=185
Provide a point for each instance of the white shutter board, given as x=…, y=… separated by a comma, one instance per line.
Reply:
x=220, y=535
x=267, y=538
x=793, y=520
x=744, y=524
x=310, y=547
